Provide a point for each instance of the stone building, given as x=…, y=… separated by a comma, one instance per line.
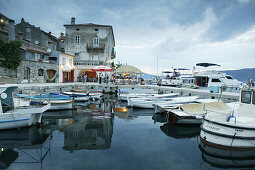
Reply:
x=91, y=44
x=6, y=28
x=37, y=45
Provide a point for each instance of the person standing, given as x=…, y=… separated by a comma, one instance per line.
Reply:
x=107, y=79
x=85, y=78
x=100, y=78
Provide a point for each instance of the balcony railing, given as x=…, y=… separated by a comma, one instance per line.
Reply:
x=95, y=48
x=88, y=63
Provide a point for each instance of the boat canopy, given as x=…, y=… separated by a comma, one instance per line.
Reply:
x=206, y=64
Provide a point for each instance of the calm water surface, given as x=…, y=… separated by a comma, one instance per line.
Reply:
x=88, y=139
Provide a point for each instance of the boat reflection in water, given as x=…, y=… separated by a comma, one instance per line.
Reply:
x=89, y=130
x=23, y=146
x=178, y=131
x=222, y=158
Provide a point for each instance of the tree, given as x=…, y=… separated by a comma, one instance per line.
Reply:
x=10, y=54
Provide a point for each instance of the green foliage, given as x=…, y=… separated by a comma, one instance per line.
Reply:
x=10, y=54
x=118, y=65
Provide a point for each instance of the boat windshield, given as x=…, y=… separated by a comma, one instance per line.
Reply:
x=246, y=97
x=229, y=77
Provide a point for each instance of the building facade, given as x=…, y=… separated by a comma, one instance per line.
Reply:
x=92, y=45
x=40, y=58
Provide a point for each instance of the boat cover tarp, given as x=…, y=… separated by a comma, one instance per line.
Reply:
x=193, y=109
x=201, y=108
x=217, y=107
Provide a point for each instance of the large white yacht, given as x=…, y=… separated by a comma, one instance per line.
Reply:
x=206, y=78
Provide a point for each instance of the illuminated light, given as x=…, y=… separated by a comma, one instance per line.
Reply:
x=2, y=149
x=1, y=20
x=121, y=109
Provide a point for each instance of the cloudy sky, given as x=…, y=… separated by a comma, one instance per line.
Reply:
x=172, y=33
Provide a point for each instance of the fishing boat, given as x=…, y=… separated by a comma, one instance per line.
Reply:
x=232, y=129
x=57, y=101
x=77, y=96
x=123, y=93
x=15, y=117
x=161, y=106
x=126, y=97
x=193, y=113
x=149, y=102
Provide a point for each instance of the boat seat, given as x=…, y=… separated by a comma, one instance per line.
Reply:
x=243, y=120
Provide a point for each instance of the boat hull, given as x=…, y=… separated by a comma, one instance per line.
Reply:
x=227, y=136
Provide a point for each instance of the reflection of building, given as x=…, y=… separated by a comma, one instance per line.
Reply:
x=23, y=146
x=89, y=131
x=91, y=44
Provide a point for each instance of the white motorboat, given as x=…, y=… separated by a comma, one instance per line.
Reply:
x=60, y=104
x=150, y=96
x=232, y=129
x=16, y=117
x=78, y=96
x=192, y=113
x=123, y=93
x=215, y=80
x=96, y=96
x=160, y=107
x=149, y=103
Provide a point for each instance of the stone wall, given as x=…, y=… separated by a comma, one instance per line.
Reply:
x=34, y=76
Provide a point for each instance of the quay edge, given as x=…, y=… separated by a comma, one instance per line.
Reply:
x=111, y=89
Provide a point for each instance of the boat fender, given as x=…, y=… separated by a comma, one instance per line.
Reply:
x=230, y=117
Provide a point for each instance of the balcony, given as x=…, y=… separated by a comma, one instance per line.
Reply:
x=88, y=63
x=95, y=48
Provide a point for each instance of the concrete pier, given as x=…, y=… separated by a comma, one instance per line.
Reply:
x=111, y=88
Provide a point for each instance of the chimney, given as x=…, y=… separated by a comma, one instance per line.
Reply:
x=11, y=30
x=49, y=32
x=72, y=21
x=22, y=20
x=61, y=34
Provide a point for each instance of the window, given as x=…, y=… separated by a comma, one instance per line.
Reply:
x=95, y=42
x=246, y=97
x=26, y=73
x=77, y=56
x=70, y=62
x=95, y=58
x=216, y=80
x=229, y=77
x=64, y=61
x=40, y=72
x=77, y=39
x=28, y=34
x=96, y=29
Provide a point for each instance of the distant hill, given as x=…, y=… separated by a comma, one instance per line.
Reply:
x=147, y=76
x=242, y=74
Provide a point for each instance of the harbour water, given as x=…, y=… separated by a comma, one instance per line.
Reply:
x=95, y=137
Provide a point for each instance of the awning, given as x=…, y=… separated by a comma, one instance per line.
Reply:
x=102, y=68
x=128, y=70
